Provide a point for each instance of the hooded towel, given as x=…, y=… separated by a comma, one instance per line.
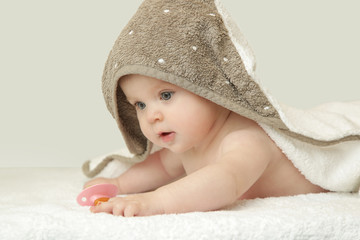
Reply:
x=194, y=44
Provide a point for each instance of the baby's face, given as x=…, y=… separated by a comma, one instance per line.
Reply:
x=169, y=116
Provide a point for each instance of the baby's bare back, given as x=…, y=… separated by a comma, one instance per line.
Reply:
x=281, y=178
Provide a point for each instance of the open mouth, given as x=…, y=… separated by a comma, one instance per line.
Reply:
x=164, y=134
x=167, y=136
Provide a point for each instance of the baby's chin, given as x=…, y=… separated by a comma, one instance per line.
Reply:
x=178, y=150
x=175, y=148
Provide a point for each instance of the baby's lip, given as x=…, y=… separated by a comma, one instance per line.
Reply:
x=167, y=136
x=162, y=134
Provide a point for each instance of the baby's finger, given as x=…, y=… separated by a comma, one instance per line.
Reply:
x=132, y=210
x=102, y=207
x=118, y=209
x=113, y=199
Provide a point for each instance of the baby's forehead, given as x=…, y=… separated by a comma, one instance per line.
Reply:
x=142, y=80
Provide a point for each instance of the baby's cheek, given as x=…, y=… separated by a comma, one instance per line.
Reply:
x=145, y=130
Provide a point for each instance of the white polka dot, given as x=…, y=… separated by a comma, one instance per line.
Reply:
x=266, y=108
x=194, y=48
x=131, y=32
x=225, y=59
x=211, y=14
x=161, y=61
x=166, y=10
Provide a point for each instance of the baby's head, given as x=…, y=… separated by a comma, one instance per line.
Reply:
x=188, y=44
x=168, y=115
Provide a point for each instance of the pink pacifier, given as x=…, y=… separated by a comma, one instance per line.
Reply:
x=94, y=195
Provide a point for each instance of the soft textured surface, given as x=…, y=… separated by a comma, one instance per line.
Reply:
x=40, y=204
x=195, y=45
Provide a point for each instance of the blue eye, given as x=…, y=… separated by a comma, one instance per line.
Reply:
x=140, y=105
x=166, y=95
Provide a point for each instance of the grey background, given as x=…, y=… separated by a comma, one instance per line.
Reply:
x=52, y=55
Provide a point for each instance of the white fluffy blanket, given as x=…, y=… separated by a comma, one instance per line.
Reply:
x=40, y=204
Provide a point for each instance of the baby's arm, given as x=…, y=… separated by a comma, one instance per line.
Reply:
x=157, y=170
x=243, y=160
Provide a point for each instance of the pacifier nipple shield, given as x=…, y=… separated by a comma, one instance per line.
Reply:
x=96, y=194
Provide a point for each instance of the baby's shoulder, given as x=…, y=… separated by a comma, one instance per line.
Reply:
x=245, y=133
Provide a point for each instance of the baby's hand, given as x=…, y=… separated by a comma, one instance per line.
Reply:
x=142, y=204
x=101, y=180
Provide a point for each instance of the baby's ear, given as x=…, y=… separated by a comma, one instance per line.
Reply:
x=237, y=37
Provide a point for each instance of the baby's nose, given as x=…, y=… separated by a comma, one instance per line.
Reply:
x=154, y=116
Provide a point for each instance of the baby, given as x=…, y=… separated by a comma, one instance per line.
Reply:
x=210, y=157
x=181, y=76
